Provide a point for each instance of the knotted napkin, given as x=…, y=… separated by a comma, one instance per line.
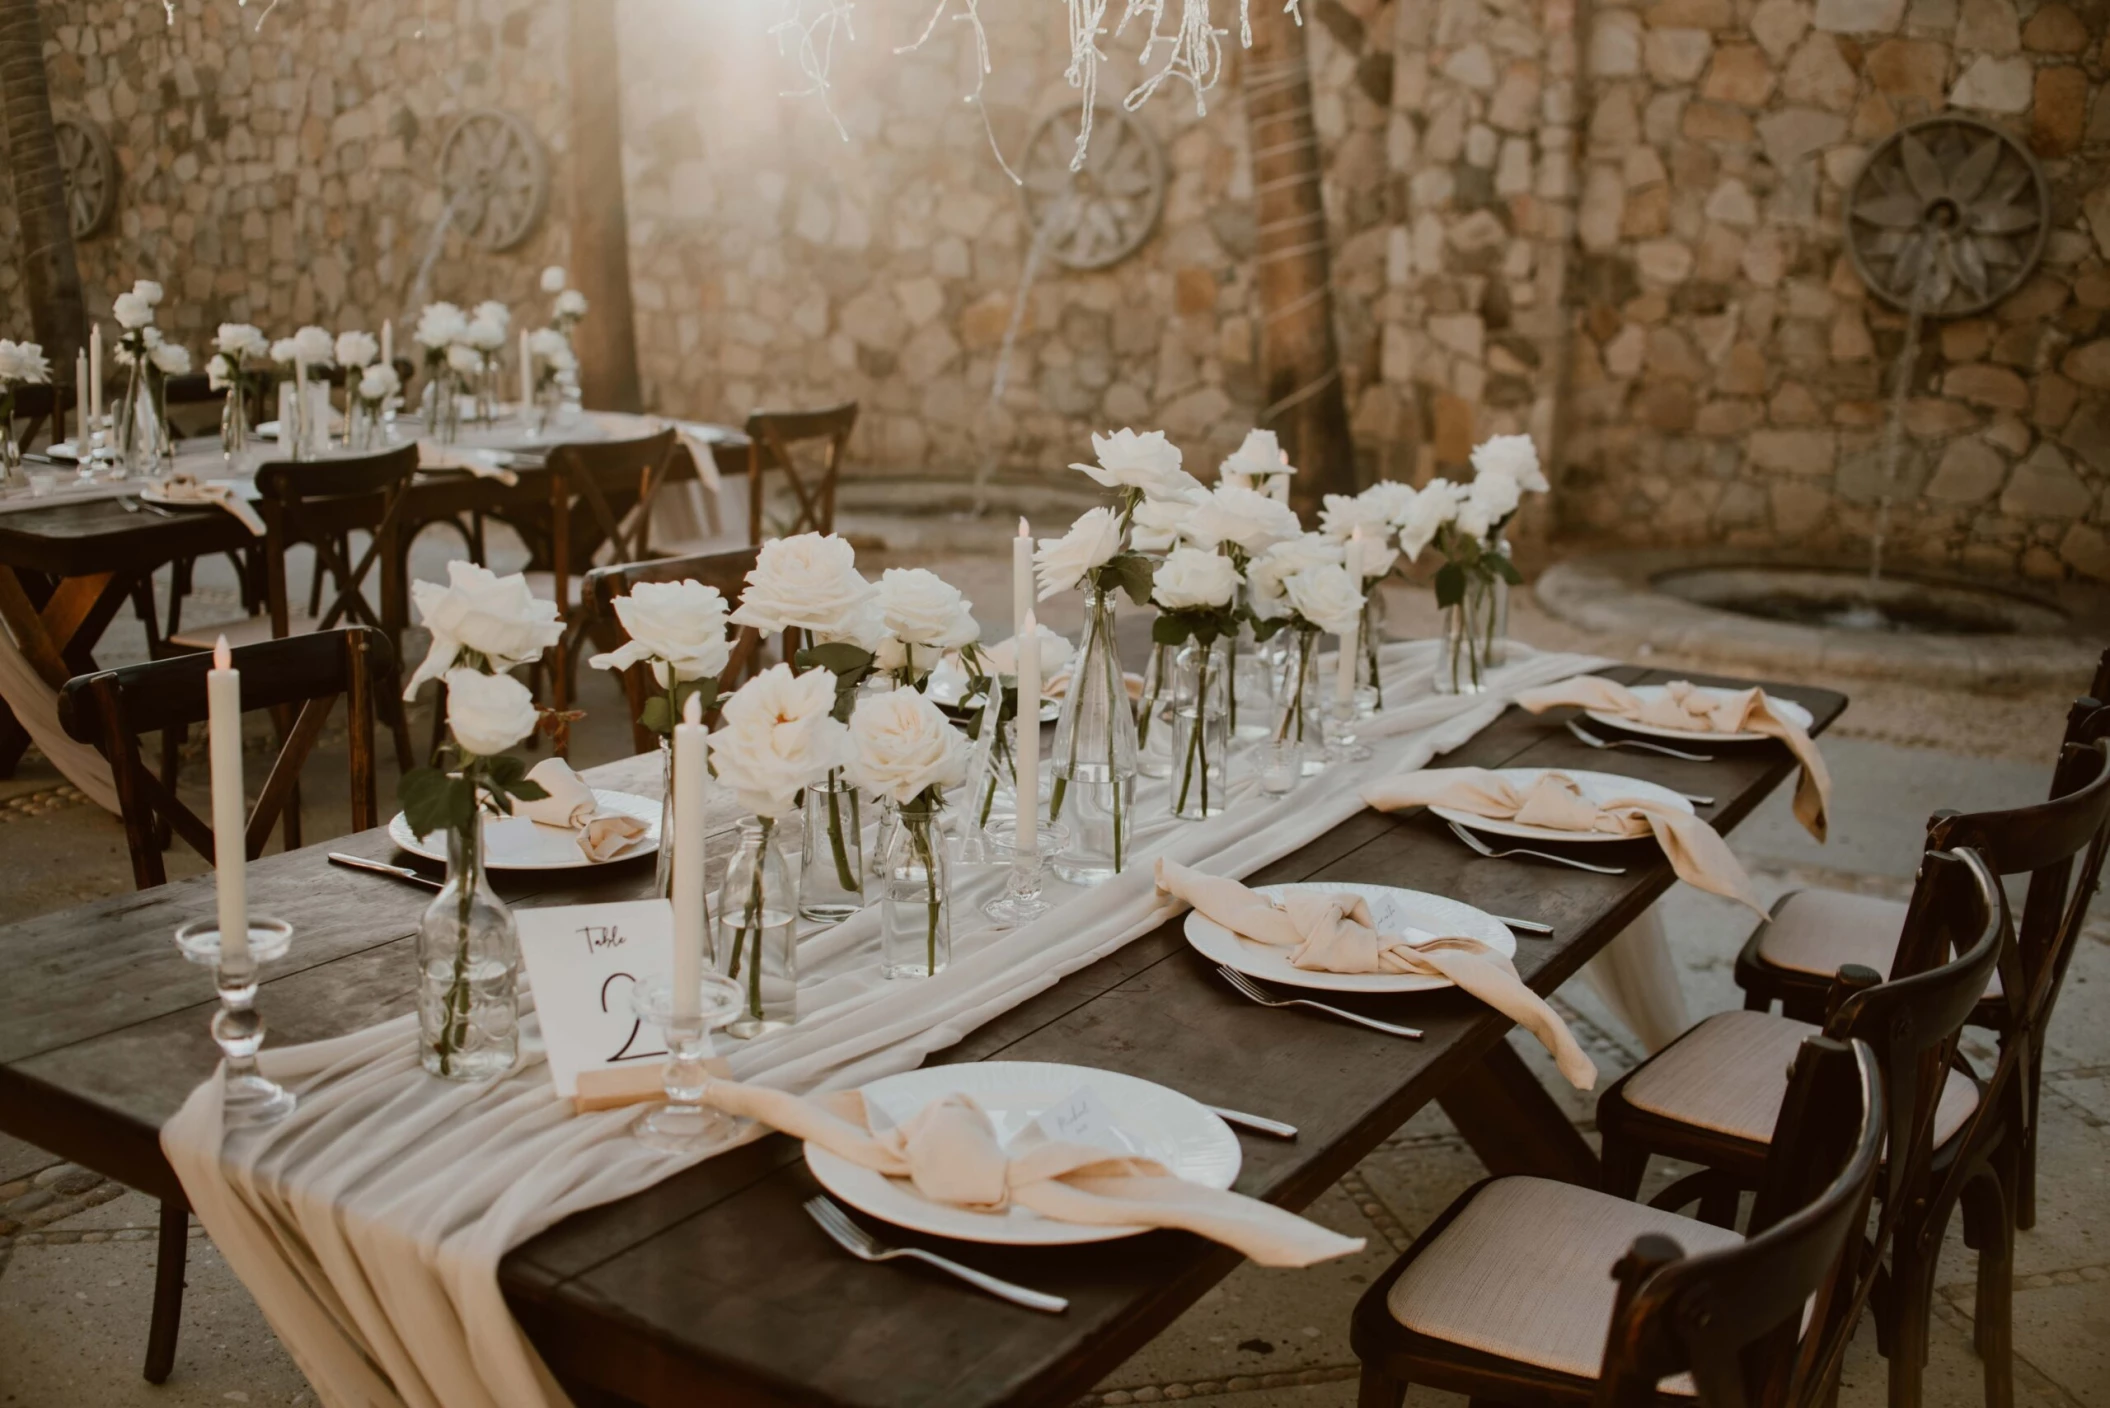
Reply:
x=185, y=488
x=571, y=806
x=481, y=463
x=950, y=1152
x=1695, y=849
x=1689, y=707
x=1335, y=933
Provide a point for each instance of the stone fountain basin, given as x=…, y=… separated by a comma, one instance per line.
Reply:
x=1966, y=633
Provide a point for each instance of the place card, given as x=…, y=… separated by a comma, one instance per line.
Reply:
x=583, y=960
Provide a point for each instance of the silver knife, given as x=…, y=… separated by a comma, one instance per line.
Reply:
x=400, y=872
x=1259, y=1123
x=1525, y=926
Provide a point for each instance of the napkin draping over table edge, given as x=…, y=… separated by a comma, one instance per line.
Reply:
x=949, y=1150
x=433, y=455
x=181, y=489
x=1335, y=933
x=1696, y=851
x=571, y=806
x=1695, y=709
x=692, y=440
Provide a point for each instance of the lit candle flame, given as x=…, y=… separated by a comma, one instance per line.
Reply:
x=222, y=657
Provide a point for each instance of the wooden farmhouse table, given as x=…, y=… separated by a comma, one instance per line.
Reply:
x=713, y=1286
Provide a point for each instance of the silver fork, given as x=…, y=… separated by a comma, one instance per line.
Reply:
x=1265, y=998
x=865, y=1247
x=1591, y=740
x=1492, y=854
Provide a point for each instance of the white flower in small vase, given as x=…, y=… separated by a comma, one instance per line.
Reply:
x=904, y=750
x=355, y=350
x=1432, y=508
x=440, y=326
x=1192, y=579
x=488, y=714
x=1160, y=525
x=1259, y=463
x=314, y=346
x=569, y=309
x=677, y=627
x=133, y=311
x=1141, y=466
x=925, y=616
x=1513, y=457
x=1092, y=542
x=808, y=582
x=554, y=279
x=481, y=620
x=778, y=736
x=170, y=359
x=22, y=364
x=1324, y=597
x=494, y=314
x=378, y=384
x=1267, y=578
x=1245, y=518
x=903, y=746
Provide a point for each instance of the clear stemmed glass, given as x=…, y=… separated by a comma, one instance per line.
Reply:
x=250, y=1097
x=1022, y=899
x=683, y=1124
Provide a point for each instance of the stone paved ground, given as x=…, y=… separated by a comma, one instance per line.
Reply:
x=76, y=1253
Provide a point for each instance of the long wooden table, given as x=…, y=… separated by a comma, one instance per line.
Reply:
x=715, y=1278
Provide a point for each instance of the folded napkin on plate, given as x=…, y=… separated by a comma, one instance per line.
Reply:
x=1695, y=849
x=571, y=806
x=1335, y=933
x=180, y=488
x=481, y=463
x=1695, y=709
x=950, y=1151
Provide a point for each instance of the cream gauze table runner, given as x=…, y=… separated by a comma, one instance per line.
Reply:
x=370, y=1224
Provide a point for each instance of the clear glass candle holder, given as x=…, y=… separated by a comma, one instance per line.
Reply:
x=250, y=1097
x=684, y=1123
x=1022, y=900
x=1341, y=743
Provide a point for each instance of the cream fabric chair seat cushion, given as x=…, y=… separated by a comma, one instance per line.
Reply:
x=1816, y=931
x=1525, y=1271
x=252, y=631
x=1730, y=1073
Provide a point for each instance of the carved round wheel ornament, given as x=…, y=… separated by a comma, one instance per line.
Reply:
x=495, y=177
x=1948, y=217
x=1096, y=217
x=90, y=169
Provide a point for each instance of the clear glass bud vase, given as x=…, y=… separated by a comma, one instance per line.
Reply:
x=1201, y=736
x=1472, y=626
x=916, y=908
x=831, y=862
x=1094, y=757
x=234, y=424
x=1369, y=687
x=755, y=944
x=1299, y=718
x=663, y=870
x=468, y=971
x=1154, y=713
x=1250, y=666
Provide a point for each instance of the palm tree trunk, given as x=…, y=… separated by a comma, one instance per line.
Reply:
x=50, y=273
x=600, y=225
x=1300, y=364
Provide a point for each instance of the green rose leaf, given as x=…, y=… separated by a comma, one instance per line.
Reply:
x=1170, y=629
x=1450, y=584
x=436, y=801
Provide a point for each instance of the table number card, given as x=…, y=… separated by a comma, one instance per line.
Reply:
x=584, y=960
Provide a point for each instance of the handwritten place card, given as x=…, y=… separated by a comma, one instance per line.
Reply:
x=583, y=961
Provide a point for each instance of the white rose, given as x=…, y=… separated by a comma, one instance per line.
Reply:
x=492, y=311
x=1194, y=579
x=1268, y=577
x=903, y=744
x=1062, y=562
x=242, y=340
x=1242, y=516
x=1055, y=654
x=571, y=304
x=1326, y=597
x=1434, y=506
x=1512, y=457
x=315, y=345
x=377, y=383
x=148, y=290
x=356, y=349
x=219, y=372
x=497, y=617
x=1158, y=525
x=922, y=608
x=1386, y=500
x=554, y=279
x=809, y=582
x=1258, y=455
x=22, y=363
x=488, y=713
x=285, y=350
x=464, y=359
x=170, y=360
x=1344, y=513
x=440, y=324
x=1487, y=502
x=864, y=628
x=547, y=343
x=563, y=360
x=132, y=311
x=676, y=625
x=778, y=737
x=1148, y=462
x=485, y=334
x=10, y=361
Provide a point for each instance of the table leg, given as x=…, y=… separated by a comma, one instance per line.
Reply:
x=1513, y=1124
x=55, y=636
x=14, y=741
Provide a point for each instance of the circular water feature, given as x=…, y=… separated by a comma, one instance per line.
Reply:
x=1849, y=601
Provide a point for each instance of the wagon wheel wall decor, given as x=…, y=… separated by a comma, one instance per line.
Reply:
x=1948, y=216
x=495, y=177
x=1096, y=217
x=90, y=169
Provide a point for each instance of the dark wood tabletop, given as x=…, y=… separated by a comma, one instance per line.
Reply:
x=715, y=1277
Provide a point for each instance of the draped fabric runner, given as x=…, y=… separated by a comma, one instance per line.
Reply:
x=1336, y=934
x=950, y=1151
x=1686, y=706
x=369, y=1224
x=571, y=806
x=36, y=707
x=1695, y=850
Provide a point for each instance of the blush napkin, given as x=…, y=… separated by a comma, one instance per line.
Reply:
x=186, y=488
x=1335, y=933
x=950, y=1151
x=571, y=806
x=481, y=463
x=1691, y=708
x=1695, y=850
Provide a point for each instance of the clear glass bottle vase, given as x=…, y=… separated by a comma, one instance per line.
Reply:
x=468, y=954
x=1250, y=667
x=663, y=867
x=755, y=936
x=1094, y=756
x=1299, y=716
x=235, y=429
x=831, y=860
x=1201, y=737
x=1369, y=686
x=916, y=903
x=1474, y=628
x=1154, y=713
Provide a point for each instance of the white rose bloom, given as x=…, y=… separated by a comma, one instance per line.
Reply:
x=863, y=627
x=484, y=334
x=1435, y=505
x=563, y=360
x=488, y=713
x=219, y=372
x=23, y=363
x=547, y=343
x=440, y=324
x=148, y=290
x=466, y=360
x=132, y=311
x=356, y=349
x=378, y=383
x=1148, y=462
x=170, y=360
x=10, y=361
x=778, y=737
x=1260, y=454
x=492, y=311
x=1194, y=578
x=902, y=744
x=285, y=350
x=497, y=617
x=1062, y=562
x=1159, y=524
x=316, y=345
x=1343, y=514
x=1386, y=500
x=676, y=625
x=1325, y=597
x=554, y=279
x=571, y=304
x=809, y=581
x=1268, y=577
x=922, y=608
x=1056, y=653
x=242, y=340
x=1486, y=503
x=1245, y=517
x=1512, y=457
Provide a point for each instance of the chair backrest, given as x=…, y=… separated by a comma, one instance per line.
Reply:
x=1733, y=1318
x=113, y=708
x=319, y=502
x=2099, y=687
x=601, y=492
x=770, y=438
x=39, y=403
x=727, y=571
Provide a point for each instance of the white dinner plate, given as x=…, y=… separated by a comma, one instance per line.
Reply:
x=152, y=494
x=1148, y=1119
x=1599, y=787
x=1393, y=909
x=1649, y=693
x=949, y=691
x=515, y=843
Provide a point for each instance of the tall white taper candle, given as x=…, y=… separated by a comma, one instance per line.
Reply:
x=95, y=373
x=388, y=343
x=527, y=374
x=1027, y=756
x=80, y=401
x=230, y=813
x=691, y=739
x=1351, y=639
x=1021, y=579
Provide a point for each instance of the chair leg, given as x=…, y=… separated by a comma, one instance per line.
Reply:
x=1911, y=1306
x=1379, y=1389
x=2025, y=1180
x=168, y=1292
x=1625, y=1163
x=1719, y=1203
x=1756, y=1001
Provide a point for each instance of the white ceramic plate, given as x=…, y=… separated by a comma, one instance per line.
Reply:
x=153, y=495
x=1648, y=693
x=1599, y=787
x=515, y=843
x=1393, y=909
x=1148, y=1119
x=951, y=692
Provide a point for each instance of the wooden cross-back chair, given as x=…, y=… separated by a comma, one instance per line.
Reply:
x=771, y=436
x=727, y=571
x=41, y=406
x=1531, y=1292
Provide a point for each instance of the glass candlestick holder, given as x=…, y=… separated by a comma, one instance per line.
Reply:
x=1341, y=745
x=1022, y=900
x=250, y=1098
x=684, y=1124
